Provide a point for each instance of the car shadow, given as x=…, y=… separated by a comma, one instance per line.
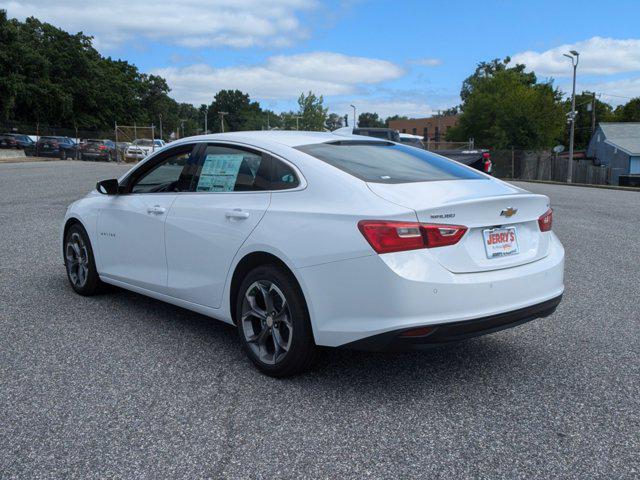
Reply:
x=442, y=366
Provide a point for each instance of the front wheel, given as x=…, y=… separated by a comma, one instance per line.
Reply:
x=80, y=262
x=273, y=323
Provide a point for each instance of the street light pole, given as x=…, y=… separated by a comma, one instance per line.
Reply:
x=355, y=119
x=222, y=114
x=161, y=127
x=574, y=56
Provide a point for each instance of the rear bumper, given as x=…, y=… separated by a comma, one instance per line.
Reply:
x=399, y=340
x=364, y=297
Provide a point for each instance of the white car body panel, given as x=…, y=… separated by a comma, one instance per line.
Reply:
x=187, y=255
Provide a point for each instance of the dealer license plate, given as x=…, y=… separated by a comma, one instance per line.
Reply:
x=500, y=242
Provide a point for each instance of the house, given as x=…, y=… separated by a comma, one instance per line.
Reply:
x=618, y=146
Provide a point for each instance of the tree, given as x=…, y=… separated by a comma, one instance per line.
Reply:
x=371, y=120
x=505, y=106
x=394, y=117
x=312, y=111
x=333, y=122
x=629, y=112
x=603, y=113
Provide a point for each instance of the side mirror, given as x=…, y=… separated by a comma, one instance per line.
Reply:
x=108, y=187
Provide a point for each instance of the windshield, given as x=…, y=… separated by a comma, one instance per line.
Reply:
x=385, y=162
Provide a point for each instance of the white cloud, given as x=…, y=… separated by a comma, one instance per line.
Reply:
x=427, y=62
x=417, y=108
x=281, y=77
x=598, y=56
x=616, y=92
x=190, y=23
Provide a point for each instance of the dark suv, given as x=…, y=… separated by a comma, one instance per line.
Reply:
x=61, y=147
x=8, y=141
x=92, y=149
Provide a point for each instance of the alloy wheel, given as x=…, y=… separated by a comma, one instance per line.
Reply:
x=266, y=322
x=77, y=257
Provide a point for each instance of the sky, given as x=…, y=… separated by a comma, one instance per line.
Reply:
x=407, y=58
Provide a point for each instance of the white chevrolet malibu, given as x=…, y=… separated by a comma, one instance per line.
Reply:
x=305, y=239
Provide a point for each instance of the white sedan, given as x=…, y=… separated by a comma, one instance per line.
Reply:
x=305, y=239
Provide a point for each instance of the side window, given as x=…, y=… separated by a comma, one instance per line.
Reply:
x=228, y=169
x=174, y=173
x=282, y=176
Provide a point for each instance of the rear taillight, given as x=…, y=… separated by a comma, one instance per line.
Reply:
x=546, y=221
x=387, y=236
x=102, y=147
x=487, y=164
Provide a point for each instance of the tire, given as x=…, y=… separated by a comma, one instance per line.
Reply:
x=80, y=262
x=63, y=155
x=280, y=344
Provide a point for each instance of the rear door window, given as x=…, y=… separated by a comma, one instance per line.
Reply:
x=230, y=169
x=385, y=162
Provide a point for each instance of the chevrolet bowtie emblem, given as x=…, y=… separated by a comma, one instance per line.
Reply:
x=508, y=212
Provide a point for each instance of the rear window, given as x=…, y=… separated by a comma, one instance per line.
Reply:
x=385, y=162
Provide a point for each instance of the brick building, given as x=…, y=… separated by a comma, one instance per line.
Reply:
x=432, y=129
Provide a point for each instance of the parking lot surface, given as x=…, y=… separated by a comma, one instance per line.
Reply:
x=120, y=385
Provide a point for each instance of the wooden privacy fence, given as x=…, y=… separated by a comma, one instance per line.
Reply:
x=545, y=165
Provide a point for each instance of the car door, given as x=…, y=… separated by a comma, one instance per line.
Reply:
x=131, y=225
x=206, y=228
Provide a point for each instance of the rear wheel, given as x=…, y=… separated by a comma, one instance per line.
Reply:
x=273, y=323
x=80, y=263
x=63, y=155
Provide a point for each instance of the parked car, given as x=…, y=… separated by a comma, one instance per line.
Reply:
x=93, y=149
x=24, y=141
x=7, y=140
x=308, y=239
x=142, y=147
x=479, y=159
x=411, y=140
x=50, y=146
x=386, y=133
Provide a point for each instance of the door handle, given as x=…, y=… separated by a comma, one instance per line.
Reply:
x=236, y=213
x=156, y=210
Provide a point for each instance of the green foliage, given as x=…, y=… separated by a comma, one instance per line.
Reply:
x=371, y=120
x=603, y=113
x=52, y=77
x=394, y=117
x=630, y=112
x=505, y=106
x=312, y=111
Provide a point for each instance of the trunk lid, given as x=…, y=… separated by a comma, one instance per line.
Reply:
x=476, y=204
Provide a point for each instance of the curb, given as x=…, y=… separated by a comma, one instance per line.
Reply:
x=588, y=185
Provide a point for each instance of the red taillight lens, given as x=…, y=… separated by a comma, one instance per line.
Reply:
x=546, y=221
x=102, y=147
x=487, y=163
x=386, y=236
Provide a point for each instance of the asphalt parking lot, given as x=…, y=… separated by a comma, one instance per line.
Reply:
x=119, y=385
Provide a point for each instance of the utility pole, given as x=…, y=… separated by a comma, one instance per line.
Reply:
x=297, y=117
x=222, y=114
x=574, y=56
x=593, y=113
x=355, y=118
x=160, y=126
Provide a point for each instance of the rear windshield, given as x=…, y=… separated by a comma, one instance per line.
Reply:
x=385, y=162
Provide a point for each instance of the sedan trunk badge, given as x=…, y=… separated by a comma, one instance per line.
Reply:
x=508, y=212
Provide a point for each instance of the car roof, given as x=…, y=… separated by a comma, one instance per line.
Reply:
x=290, y=138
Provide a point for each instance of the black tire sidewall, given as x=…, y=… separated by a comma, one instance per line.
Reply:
x=93, y=283
x=303, y=349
